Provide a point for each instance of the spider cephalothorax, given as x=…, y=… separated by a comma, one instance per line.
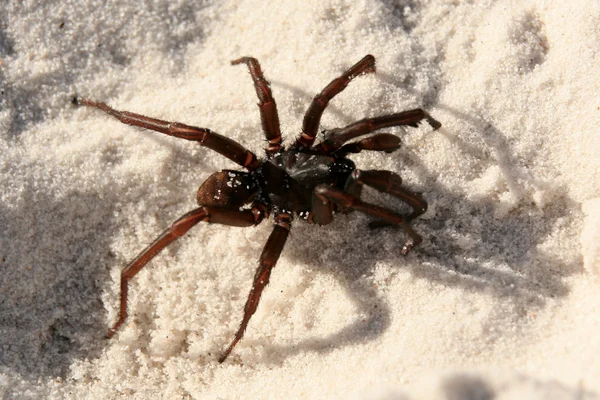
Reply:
x=307, y=181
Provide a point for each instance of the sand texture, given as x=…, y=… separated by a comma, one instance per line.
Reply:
x=500, y=301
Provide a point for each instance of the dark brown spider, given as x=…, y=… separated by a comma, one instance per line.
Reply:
x=306, y=180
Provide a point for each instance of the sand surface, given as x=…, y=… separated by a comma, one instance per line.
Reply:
x=501, y=301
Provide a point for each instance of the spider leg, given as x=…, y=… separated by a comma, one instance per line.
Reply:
x=391, y=183
x=217, y=215
x=351, y=202
x=378, y=142
x=268, y=259
x=205, y=137
x=267, y=105
x=312, y=118
x=337, y=138
x=321, y=211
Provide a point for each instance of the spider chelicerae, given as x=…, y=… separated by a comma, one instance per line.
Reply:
x=306, y=180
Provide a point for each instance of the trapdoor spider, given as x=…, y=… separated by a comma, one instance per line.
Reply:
x=305, y=180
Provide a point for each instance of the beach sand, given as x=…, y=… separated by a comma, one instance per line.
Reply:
x=501, y=300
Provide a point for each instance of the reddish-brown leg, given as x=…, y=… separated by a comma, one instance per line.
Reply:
x=378, y=142
x=321, y=211
x=178, y=228
x=338, y=137
x=351, y=202
x=312, y=118
x=205, y=137
x=268, y=259
x=390, y=183
x=267, y=106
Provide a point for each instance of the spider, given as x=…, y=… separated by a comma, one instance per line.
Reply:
x=308, y=181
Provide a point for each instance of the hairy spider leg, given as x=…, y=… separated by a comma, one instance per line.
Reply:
x=351, y=202
x=205, y=137
x=336, y=138
x=268, y=259
x=312, y=118
x=216, y=215
x=390, y=183
x=267, y=106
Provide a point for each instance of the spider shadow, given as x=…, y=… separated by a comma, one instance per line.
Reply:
x=467, y=244
x=54, y=262
x=343, y=251
x=54, y=249
x=486, y=254
x=466, y=260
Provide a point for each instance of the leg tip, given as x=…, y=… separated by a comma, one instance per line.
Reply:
x=407, y=248
x=84, y=102
x=369, y=60
x=224, y=356
x=244, y=60
x=434, y=123
x=365, y=66
x=111, y=331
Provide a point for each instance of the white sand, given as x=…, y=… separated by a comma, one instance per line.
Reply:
x=502, y=300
